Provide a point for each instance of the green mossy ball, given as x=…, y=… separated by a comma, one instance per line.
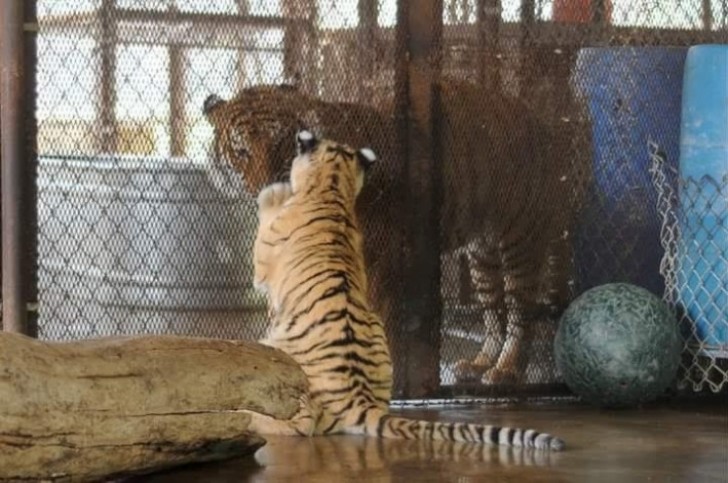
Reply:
x=618, y=345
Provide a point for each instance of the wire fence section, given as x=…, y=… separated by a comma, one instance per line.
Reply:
x=694, y=235
x=542, y=112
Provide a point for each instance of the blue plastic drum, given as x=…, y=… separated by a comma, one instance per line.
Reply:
x=633, y=97
x=703, y=250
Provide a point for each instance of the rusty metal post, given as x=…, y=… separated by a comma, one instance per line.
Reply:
x=300, y=44
x=177, y=112
x=19, y=163
x=526, y=47
x=368, y=47
x=707, y=10
x=599, y=12
x=418, y=59
x=488, y=21
x=107, y=88
x=599, y=21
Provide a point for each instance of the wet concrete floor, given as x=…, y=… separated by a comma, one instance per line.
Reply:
x=662, y=444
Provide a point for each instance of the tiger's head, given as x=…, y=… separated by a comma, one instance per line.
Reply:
x=254, y=129
x=326, y=165
x=325, y=175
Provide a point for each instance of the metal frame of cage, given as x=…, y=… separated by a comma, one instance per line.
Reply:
x=420, y=39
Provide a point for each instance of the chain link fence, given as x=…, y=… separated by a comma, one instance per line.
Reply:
x=133, y=236
x=146, y=195
x=694, y=266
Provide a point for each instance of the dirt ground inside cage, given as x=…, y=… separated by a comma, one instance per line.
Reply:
x=665, y=443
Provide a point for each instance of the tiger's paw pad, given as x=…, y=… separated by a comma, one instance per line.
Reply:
x=500, y=376
x=273, y=196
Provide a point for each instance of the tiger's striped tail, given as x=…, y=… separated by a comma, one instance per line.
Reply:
x=383, y=425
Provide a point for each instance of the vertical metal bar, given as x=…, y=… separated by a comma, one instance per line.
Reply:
x=300, y=44
x=599, y=12
x=707, y=15
x=243, y=6
x=107, y=88
x=488, y=21
x=30, y=126
x=241, y=73
x=528, y=12
x=177, y=113
x=599, y=20
x=368, y=12
x=241, y=76
x=19, y=165
x=528, y=24
x=418, y=60
x=367, y=47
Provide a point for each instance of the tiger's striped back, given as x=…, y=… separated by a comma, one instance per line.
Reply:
x=308, y=259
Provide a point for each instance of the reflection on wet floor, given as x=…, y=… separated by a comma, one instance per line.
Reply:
x=388, y=460
x=353, y=458
x=638, y=445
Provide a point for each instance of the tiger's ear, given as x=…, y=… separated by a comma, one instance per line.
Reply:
x=366, y=157
x=305, y=141
x=212, y=102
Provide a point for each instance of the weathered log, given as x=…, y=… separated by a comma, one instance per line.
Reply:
x=92, y=409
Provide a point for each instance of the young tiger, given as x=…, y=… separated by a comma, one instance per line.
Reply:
x=308, y=259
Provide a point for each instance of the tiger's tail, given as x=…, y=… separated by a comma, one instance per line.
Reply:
x=383, y=425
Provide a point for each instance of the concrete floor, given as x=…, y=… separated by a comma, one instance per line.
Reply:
x=663, y=444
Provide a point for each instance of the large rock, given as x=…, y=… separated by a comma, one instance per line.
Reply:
x=96, y=408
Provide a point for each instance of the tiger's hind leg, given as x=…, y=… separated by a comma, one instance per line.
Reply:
x=511, y=363
x=539, y=287
x=486, y=276
x=522, y=284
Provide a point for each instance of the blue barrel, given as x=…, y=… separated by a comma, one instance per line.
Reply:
x=632, y=95
x=703, y=248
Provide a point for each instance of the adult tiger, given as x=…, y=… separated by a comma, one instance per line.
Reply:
x=309, y=261
x=508, y=181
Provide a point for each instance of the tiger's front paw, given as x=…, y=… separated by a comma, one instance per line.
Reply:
x=273, y=196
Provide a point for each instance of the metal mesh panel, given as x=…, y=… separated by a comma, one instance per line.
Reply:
x=694, y=266
x=146, y=214
x=619, y=67
x=134, y=236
